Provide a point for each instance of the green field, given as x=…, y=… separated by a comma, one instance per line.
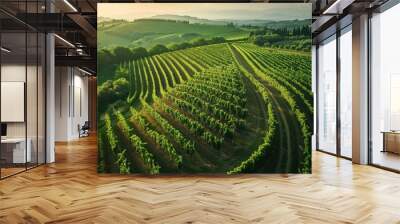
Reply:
x=231, y=107
x=147, y=33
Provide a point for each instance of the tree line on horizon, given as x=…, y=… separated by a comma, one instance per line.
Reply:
x=120, y=53
x=295, y=38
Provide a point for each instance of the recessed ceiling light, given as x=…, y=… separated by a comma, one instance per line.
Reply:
x=64, y=40
x=70, y=5
x=86, y=72
x=5, y=50
x=337, y=7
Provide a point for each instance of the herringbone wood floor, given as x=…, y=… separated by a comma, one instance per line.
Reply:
x=70, y=191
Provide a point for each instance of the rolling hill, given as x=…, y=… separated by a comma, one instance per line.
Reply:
x=147, y=33
x=221, y=108
x=255, y=22
x=238, y=106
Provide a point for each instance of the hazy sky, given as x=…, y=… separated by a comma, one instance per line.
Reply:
x=239, y=11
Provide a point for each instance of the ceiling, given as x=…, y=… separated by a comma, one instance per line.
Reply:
x=74, y=21
x=329, y=16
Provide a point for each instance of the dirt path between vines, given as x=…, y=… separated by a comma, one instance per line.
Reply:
x=289, y=139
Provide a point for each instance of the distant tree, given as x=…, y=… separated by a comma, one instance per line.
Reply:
x=259, y=32
x=306, y=31
x=259, y=40
x=197, y=42
x=139, y=52
x=184, y=45
x=158, y=49
x=282, y=31
x=105, y=57
x=122, y=53
x=273, y=38
x=230, y=24
x=200, y=42
x=217, y=40
x=174, y=47
x=189, y=35
x=180, y=46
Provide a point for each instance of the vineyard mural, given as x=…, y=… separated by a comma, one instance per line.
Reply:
x=204, y=88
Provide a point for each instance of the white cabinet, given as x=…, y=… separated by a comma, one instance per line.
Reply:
x=19, y=155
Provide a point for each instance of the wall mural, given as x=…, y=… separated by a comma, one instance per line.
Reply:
x=204, y=88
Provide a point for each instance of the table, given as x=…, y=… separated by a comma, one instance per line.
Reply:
x=13, y=150
x=391, y=141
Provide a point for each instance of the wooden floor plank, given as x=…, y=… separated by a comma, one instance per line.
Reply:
x=70, y=191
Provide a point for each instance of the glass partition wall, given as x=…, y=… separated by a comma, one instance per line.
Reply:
x=345, y=91
x=22, y=77
x=327, y=95
x=334, y=107
x=334, y=94
x=385, y=89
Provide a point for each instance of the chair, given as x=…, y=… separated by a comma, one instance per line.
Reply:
x=84, y=130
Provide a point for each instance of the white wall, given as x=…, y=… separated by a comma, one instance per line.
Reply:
x=80, y=111
x=62, y=82
x=71, y=102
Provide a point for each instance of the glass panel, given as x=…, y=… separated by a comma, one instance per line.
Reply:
x=314, y=85
x=32, y=88
x=327, y=95
x=2, y=131
x=23, y=90
x=13, y=86
x=346, y=92
x=31, y=98
x=385, y=84
x=41, y=99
